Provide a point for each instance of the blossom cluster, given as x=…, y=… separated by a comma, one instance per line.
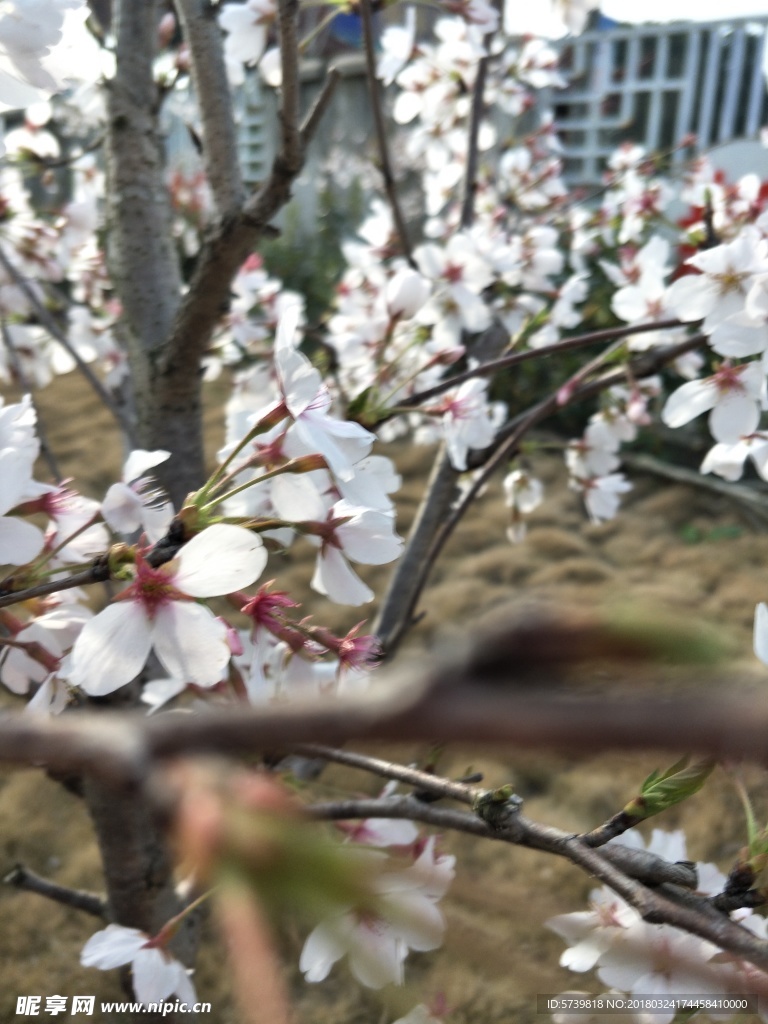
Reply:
x=408, y=340
x=633, y=957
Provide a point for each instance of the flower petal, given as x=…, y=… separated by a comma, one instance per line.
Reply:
x=112, y=649
x=219, y=560
x=190, y=642
x=112, y=947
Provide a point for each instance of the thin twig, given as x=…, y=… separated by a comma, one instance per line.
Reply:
x=312, y=121
x=568, y=345
x=90, y=902
x=423, y=781
x=477, y=112
x=509, y=442
x=382, y=141
x=755, y=500
x=48, y=322
x=290, y=90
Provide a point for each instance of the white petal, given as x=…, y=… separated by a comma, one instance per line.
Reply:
x=734, y=416
x=761, y=633
x=112, y=947
x=112, y=648
x=20, y=541
x=689, y=401
x=219, y=560
x=122, y=508
x=376, y=958
x=153, y=980
x=139, y=461
x=369, y=538
x=190, y=642
x=335, y=578
x=296, y=499
x=322, y=949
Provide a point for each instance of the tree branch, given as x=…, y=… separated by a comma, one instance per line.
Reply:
x=374, y=91
x=209, y=76
x=613, y=865
x=90, y=902
x=508, y=443
x=568, y=345
x=312, y=121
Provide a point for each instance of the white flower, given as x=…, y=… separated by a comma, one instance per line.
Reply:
x=246, y=25
x=397, y=43
x=601, y=494
x=378, y=943
x=132, y=505
x=523, y=494
x=363, y=535
x=658, y=960
x=733, y=395
x=308, y=401
x=552, y=19
x=589, y=933
x=20, y=541
x=728, y=273
x=157, y=611
x=727, y=460
x=468, y=421
x=156, y=974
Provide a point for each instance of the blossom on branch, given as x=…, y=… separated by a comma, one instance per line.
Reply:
x=159, y=611
x=156, y=975
x=377, y=942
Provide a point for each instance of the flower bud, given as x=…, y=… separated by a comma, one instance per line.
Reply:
x=406, y=293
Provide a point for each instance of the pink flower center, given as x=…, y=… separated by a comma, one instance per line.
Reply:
x=728, y=378
x=153, y=587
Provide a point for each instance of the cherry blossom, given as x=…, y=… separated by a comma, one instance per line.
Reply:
x=523, y=494
x=308, y=401
x=156, y=975
x=20, y=541
x=158, y=610
x=377, y=942
x=727, y=460
x=733, y=395
x=469, y=422
x=247, y=25
x=727, y=274
x=132, y=505
x=601, y=494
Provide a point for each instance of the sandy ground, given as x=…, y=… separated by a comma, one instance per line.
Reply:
x=674, y=548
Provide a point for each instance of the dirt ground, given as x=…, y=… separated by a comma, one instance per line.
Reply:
x=673, y=547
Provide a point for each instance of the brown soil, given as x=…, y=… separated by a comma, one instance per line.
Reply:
x=498, y=955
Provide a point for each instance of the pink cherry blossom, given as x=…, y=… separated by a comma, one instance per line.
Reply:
x=158, y=610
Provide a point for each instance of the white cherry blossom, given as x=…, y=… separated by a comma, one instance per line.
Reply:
x=247, y=26
x=728, y=272
x=733, y=396
x=377, y=943
x=132, y=504
x=158, y=610
x=156, y=975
